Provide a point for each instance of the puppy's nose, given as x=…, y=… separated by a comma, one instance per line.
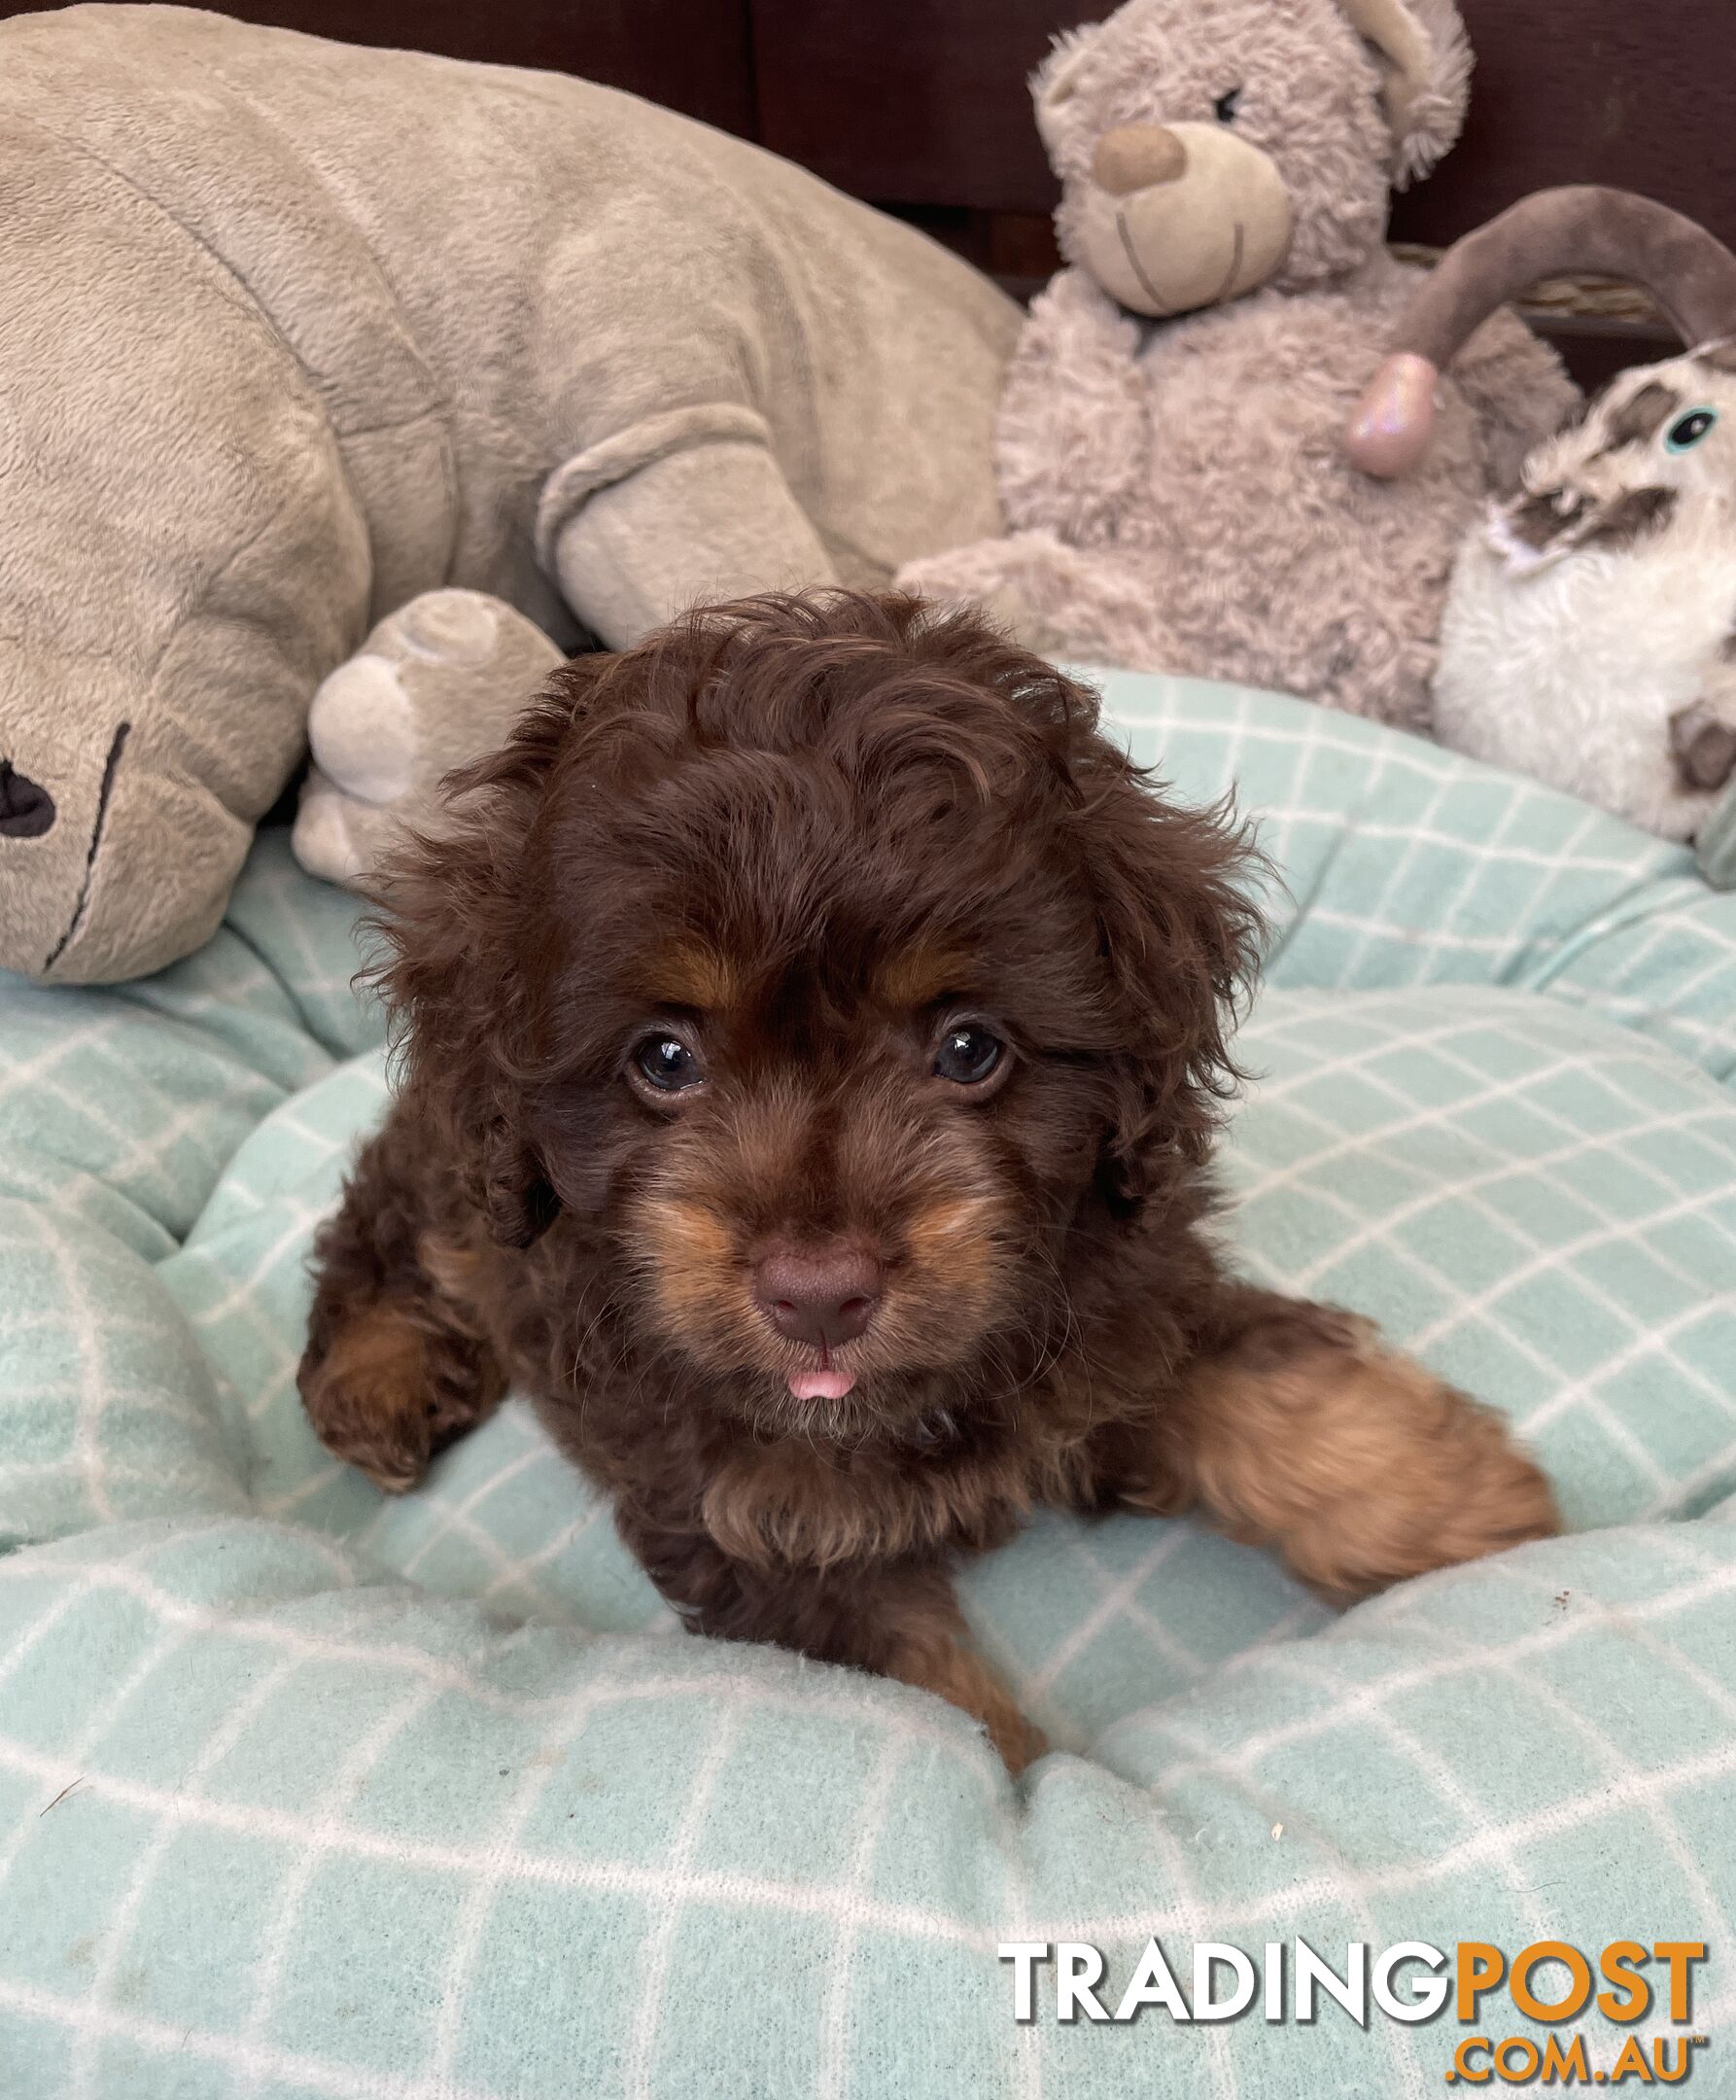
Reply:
x=26, y=811
x=826, y=1297
x=1137, y=157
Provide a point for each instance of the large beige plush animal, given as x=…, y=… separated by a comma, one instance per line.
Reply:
x=1171, y=453
x=293, y=334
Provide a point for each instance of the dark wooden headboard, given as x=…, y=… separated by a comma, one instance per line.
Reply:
x=922, y=102
x=921, y=105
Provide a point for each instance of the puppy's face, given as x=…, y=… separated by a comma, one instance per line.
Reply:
x=832, y=1104
x=831, y=1030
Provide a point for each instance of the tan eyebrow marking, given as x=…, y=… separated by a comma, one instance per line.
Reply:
x=687, y=973
x=920, y=974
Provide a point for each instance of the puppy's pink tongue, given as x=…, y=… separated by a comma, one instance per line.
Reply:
x=821, y=1385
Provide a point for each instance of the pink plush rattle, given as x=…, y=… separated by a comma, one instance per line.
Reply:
x=1610, y=232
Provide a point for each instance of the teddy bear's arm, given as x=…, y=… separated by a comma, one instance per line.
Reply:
x=1520, y=390
x=1074, y=437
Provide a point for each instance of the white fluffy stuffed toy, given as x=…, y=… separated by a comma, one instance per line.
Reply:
x=1590, y=636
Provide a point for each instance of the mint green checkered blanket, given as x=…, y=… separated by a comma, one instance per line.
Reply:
x=303, y=1794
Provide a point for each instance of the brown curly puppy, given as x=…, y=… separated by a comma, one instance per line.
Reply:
x=813, y=1036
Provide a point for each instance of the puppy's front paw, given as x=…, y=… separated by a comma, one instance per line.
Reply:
x=931, y=1654
x=1359, y=1465
x=1019, y=1745
x=1445, y=1482
x=385, y=1396
x=437, y=682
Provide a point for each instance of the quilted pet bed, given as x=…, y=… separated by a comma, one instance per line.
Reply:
x=303, y=1793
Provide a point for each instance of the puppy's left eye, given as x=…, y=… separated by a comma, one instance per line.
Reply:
x=666, y=1065
x=1227, y=106
x=968, y=1053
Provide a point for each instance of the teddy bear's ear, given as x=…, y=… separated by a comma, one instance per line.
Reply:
x=1425, y=64
x=1053, y=83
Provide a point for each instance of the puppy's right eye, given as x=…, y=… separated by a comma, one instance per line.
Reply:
x=666, y=1065
x=967, y=1054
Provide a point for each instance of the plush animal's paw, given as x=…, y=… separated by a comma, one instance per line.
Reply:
x=437, y=682
x=1051, y=598
x=956, y=580
x=979, y=576
x=1703, y=747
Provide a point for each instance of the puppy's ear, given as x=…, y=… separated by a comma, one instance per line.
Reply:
x=451, y=907
x=1181, y=932
x=517, y=1200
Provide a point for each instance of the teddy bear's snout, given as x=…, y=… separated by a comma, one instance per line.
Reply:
x=1137, y=157
x=26, y=811
x=1178, y=216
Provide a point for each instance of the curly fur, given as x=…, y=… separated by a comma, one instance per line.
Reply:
x=807, y=831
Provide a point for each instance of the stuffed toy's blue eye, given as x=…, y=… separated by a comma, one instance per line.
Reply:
x=1686, y=430
x=1227, y=105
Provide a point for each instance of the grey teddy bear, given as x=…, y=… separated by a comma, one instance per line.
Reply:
x=1170, y=440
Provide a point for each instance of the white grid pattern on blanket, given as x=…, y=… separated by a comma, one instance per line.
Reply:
x=671, y=1885
x=1185, y=1660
